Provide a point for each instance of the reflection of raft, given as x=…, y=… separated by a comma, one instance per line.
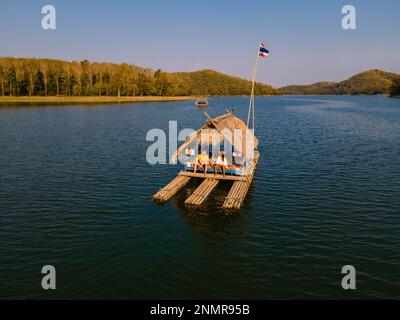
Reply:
x=241, y=176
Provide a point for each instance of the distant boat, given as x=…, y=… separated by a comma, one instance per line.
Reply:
x=201, y=103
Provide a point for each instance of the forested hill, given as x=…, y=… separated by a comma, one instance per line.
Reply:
x=368, y=82
x=395, y=89
x=47, y=77
x=214, y=83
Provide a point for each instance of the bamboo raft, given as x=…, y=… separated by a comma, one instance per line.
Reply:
x=212, y=134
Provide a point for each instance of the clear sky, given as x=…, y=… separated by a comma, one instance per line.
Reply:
x=305, y=38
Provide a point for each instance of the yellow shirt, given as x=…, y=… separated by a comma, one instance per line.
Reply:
x=203, y=158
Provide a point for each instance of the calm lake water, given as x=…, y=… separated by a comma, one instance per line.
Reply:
x=75, y=192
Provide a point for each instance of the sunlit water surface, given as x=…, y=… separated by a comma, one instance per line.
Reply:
x=75, y=192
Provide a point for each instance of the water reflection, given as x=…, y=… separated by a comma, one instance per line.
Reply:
x=210, y=222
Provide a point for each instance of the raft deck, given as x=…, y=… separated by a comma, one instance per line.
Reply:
x=233, y=201
x=211, y=176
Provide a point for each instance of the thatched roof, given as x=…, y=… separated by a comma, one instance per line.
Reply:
x=226, y=123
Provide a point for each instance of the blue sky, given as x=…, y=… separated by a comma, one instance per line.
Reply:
x=305, y=38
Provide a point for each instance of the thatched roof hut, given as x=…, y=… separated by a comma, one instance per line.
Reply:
x=228, y=127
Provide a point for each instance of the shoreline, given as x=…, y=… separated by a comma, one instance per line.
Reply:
x=57, y=100
x=13, y=101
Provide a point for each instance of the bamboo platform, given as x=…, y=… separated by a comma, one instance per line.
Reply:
x=233, y=201
x=211, y=176
x=202, y=192
x=235, y=198
x=171, y=189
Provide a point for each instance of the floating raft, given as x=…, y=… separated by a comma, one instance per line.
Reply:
x=171, y=189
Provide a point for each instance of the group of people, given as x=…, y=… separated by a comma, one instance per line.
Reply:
x=203, y=162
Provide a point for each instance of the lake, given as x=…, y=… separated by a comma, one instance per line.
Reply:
x=75, y=193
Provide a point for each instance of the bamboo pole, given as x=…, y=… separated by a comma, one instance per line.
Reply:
x=171, y=189
x=202, y=192
x=251, y=103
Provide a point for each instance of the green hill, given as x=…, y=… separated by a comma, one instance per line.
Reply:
x=395, y=89
x=368, y=82
x=49, y=77
x=214, y=83
x=316, y=88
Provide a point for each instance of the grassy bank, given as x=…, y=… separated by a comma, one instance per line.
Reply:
x=6, y=101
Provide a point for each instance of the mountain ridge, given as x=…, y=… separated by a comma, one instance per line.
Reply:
x=370, y=82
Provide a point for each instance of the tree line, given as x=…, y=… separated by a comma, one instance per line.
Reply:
x=48, y=77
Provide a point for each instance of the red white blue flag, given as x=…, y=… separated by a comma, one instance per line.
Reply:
x=263, y=52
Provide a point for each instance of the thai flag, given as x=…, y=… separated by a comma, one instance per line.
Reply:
x=263, y=52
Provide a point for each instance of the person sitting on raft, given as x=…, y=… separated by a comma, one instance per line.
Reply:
x=222, y=163
x=189, y=156
x=203, y=161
